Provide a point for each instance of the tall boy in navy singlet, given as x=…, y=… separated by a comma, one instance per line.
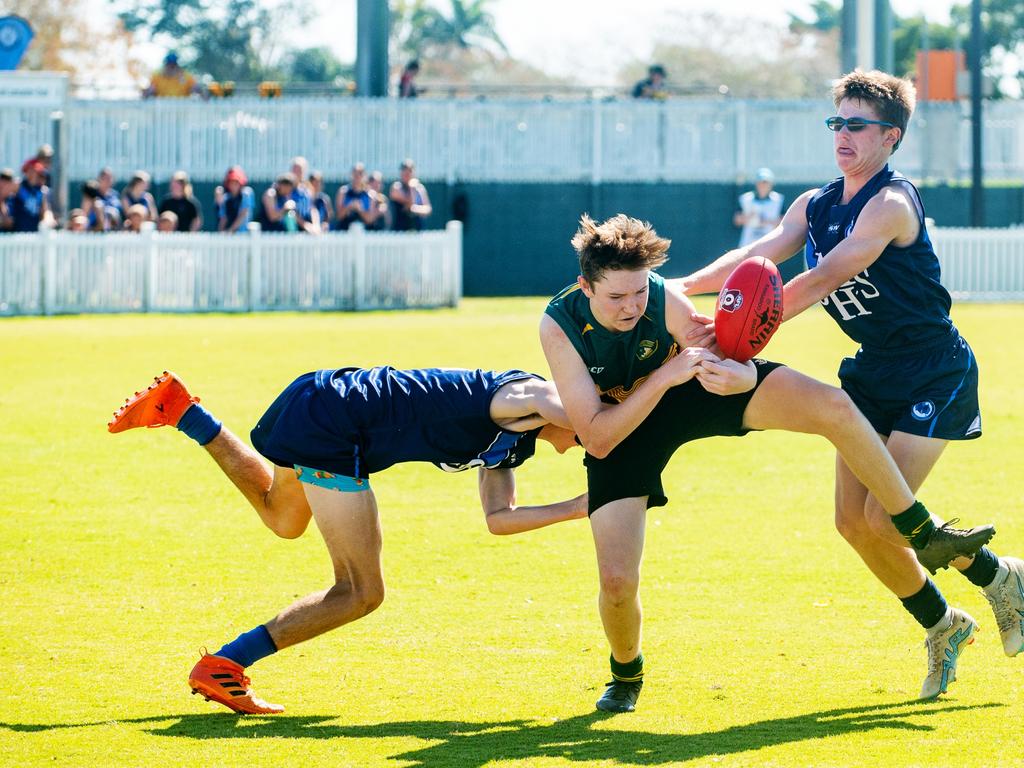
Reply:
x=872, y=266
x=325, y=434
x=613, y=343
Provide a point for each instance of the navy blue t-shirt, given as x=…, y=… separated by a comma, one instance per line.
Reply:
x=440, y=415
x=898, y=302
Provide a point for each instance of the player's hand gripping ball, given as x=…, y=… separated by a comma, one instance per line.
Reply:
x=749, y=308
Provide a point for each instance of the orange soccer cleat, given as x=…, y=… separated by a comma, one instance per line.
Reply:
x=222, y=680
x=161, y=404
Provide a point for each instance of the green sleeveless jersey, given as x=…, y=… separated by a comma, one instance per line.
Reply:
x=618, y=362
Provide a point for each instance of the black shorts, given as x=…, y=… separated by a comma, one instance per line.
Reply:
x=685, y=413
x=932, y=392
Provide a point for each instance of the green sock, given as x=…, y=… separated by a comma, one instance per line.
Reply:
x=915, y=524
x=630, y=672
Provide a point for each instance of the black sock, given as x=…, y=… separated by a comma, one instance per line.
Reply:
x=630, y=672
x=927, y=605
x=983, y=570
x=915, y=524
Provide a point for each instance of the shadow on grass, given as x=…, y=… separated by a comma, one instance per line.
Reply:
x=471, y=745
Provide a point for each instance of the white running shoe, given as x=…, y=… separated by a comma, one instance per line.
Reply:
x=946, y=640
x=1007, y=599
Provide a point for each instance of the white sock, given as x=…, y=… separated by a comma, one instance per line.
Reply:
x=1002, y=572
x=944, y=623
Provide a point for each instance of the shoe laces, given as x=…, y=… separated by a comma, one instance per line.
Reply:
x=620, y=690
x=1005, y=614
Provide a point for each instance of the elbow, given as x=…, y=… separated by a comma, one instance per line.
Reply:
x=599, y=449
x=497, y=526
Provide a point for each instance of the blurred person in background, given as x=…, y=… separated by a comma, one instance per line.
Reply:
x=77, y=221
x=99, y=216
x=321, y=201
x=760, y=210
x=409, y=199
x=236, y=202
x=30, y=205
x=168, y=222
x=8, y=186
x=171, y=81
x=182, y=203
x=653, y=87
x=284, y=211
x=407, y=88
x=134, y=217
x=375, y=183
x=105, y=179
x=136, y=192
x=355, y=201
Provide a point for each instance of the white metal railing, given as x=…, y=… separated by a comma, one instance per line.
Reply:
x=63, y=272
x=981, y=264
x=497, y=140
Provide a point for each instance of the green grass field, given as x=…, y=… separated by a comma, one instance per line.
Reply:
x=768, y=643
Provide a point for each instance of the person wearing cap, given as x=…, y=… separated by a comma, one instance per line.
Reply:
x=409, y=199
x=183, y=204
x=760, y=210
x=235, y=202
x=653, y=87
x=168, y=222
x=8, y=186
x=30, y=205
x=136, y=192
x=171, y=81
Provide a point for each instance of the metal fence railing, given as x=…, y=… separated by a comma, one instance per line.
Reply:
x=63, y=272
x=701, y=138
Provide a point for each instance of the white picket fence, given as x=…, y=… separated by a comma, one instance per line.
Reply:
x=981, y=264
x=692, y=139
x=62, y=272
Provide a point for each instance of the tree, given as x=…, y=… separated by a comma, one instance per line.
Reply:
x=314, y=65
x=422, y=29
x=236, y=40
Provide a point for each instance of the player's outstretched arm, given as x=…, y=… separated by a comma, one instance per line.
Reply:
x=778, y=245
x=889, y=216
x=498, y=499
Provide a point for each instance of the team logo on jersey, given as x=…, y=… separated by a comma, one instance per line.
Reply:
x=646, y=349
x=923, y=410
x=731, y=300
x=596, y=368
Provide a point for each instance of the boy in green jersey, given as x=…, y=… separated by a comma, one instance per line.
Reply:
x=633, y=394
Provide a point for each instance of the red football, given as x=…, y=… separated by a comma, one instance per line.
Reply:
x=749, y=308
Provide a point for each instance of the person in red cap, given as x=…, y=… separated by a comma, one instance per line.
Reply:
x=235, y=201
x=30, y=205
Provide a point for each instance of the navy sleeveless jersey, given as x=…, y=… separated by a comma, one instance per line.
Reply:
x=897, y=302
x=440, y=415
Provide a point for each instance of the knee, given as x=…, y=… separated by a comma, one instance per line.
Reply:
x=289, y=529
x=878, y=519
x=837, y=409
x=619, y=586
x=852, y=524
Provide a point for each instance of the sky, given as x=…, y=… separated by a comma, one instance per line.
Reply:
x=560, y=36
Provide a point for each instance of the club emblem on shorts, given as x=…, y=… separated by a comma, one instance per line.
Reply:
x=731, y=300
x=923, y=410
x=646, y=349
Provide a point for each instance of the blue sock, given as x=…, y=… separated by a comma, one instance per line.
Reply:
x=249, y=647
x=199, y=424
x=983, y=570
x=927, y=606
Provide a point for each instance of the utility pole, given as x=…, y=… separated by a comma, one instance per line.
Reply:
x=977, y=188
x=372, y=32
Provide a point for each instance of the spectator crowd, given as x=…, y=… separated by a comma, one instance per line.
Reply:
x=295, y=202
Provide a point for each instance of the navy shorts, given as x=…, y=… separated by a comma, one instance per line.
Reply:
x=298, y=429
x=684, y=413
x=931, y=392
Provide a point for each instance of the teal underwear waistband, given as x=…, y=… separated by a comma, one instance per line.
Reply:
x=322, y=479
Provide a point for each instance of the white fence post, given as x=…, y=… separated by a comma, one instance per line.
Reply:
x=453, y=263
x=358, y=234
x=149, y=266
x=254, y=284
x=48, y=273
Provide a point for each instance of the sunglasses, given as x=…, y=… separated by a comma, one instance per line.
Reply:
x=854, y=124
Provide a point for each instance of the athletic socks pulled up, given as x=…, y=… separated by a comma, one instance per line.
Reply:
x=927, y=606
x=914, y=524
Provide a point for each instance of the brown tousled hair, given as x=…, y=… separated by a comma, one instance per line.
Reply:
x=620, y=242
x=893, y=98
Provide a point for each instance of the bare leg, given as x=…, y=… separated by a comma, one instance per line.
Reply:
x=794, y=402
x=277, y=497
x=350, y=527
x=618, y=530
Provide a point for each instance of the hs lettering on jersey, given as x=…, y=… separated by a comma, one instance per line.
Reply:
x=851, y=297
